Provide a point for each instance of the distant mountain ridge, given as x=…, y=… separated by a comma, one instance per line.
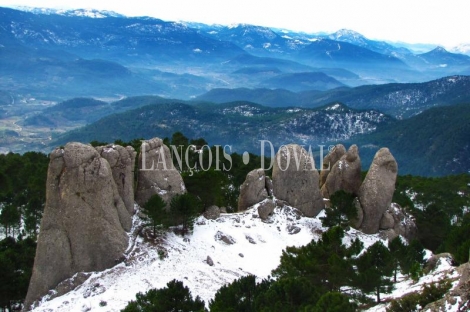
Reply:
x=240, y=124
x=399, y=100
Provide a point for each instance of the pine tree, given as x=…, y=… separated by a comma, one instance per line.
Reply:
x=341, y=210
x=155, y=209
x=174, y=297
x=375, y=267
x=238, y=296
x=183, y=210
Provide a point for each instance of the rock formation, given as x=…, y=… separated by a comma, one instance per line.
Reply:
x=266, y=208
x=212, y=213
x=296, y=181
x=253, y=190
x=345, y=174
x=396, y=222
x=328, y=162
x=84, y=222
x=122, y=162
x=376, y=192
x=156, y=173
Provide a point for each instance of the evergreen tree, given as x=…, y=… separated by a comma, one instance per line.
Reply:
x=238, y=296
x=175, y=297
x=155, y=209
x=397, y=250
x=332, y=302
x=183, y=210
x=375, y=267
x=341, y=210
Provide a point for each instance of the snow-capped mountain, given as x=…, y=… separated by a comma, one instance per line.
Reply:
x=92, y=13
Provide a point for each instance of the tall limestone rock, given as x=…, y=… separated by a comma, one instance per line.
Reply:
x=122, y=162
x=156, y=173
x=345, y=174
x=253, y=190
x=376, y=192
x=330, y=160
x=84, y=222
x=296, y=181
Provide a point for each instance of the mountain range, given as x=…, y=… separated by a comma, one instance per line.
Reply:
x=73, y=52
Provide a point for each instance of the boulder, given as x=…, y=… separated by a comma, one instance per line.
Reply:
x=376, y=192
x=84, y=223
x=404, y=224
x=253, y=190
x=157, y=175
x=209, y=261
x=212, y=213
x=122, y=162
x=266, y=208
x=330, y=160
x=296, y=181
x=344, y=175
x=357, y=221
x=227, y=239
x=387, y=222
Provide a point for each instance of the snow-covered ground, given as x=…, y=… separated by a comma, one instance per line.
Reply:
x=257, y=249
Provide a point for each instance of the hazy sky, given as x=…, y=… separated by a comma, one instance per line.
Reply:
x=445, y=23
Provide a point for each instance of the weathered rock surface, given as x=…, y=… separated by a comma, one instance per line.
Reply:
x=403, y=224
x=122, y=162
x=84, y=223
x=330, y=160
x=387, y=222
x=212, y=213
x=266, y=208
x=345, y=174
x=227, y=239
x=253, y=190
x=357, y=221
x=376, y=192
x=156, y=173
x=296, y=181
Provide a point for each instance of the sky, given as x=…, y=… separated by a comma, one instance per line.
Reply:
x=445, y=23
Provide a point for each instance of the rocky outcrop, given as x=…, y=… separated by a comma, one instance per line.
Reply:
x=376, y=192
x=330, y=160
x=345, y=174
x=398, y=222
x=84, y=222
x=253, y=190
x=212, y=213
x=266, y=208
x=122, y=162
x=296, y=181
x=156, y=173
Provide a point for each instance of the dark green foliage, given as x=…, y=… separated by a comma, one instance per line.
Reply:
x=288, y=294
x=375, y=266
x=23, y=189
x=238, y=296
x=457, y=241
x=175, y=297
x=332, y=302
x=155, y=210
x=16, y=263
x=429, y=293
x=326, y=264
x=341, y=210
x=183, y=210
x=433, y=143
x=409, y=258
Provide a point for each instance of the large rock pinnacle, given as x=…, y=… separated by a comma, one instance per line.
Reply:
x=84, y=222
x=376, y=192
x=296, y=180
x=156, y=173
